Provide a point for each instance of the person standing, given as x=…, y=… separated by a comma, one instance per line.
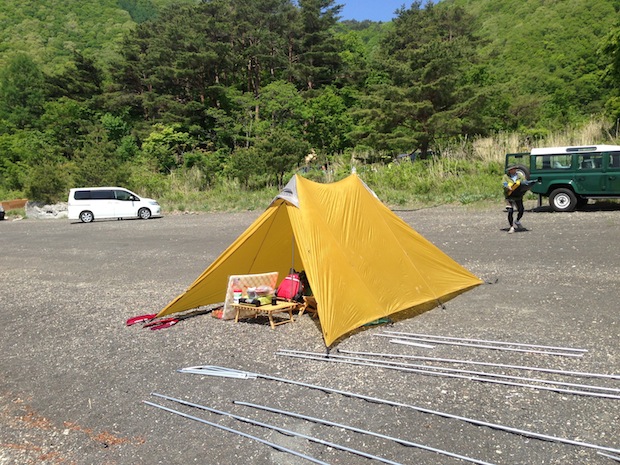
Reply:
x=513, y=182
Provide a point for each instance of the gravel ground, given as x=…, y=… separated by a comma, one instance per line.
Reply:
x=73, y=377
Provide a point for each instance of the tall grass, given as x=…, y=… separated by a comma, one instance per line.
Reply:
x=467, y=171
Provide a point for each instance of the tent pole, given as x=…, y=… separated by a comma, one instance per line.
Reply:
x=284, y=431
x=474, y=362
x=443, y=371
x=406, y=340
x=320, y=421
x=614, y=457
x=240, y=433
x=486, y=341
x=210, y=371
x=293, y=253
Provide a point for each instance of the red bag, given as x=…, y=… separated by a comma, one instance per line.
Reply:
x=291, y=288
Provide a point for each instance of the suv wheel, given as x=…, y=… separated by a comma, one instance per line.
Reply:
x=563, y=200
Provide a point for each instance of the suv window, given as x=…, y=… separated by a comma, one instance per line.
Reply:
x=82, y=195
x=555, y=162
x=590, y=161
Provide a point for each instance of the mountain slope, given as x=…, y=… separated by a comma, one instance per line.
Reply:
x=544, y=49
x=51, y=30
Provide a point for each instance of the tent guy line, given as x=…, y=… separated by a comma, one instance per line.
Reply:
x=450, y=373
x=208, y=370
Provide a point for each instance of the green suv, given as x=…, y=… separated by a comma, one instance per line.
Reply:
x=569, y=176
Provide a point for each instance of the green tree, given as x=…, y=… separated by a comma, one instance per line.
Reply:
x=261, y=29
x=286, y=151
x=97, y=162
x=355, y=60
x=66, y=123
x=427, y=55
x=139, y=10
x=611, y=49
x=166, y=146
x=328, y=122
x=22, y=91
x=315, y=58
x=47, y=182
x=80, y=79
x=176, y=67
x=281, y=106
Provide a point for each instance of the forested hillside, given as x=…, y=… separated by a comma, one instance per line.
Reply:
x=547, y=55
x=143, y=92
x=50, y=31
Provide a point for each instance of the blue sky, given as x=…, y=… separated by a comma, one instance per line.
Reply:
x=375, y=10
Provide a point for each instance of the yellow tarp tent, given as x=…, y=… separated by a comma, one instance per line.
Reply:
x=362, y=261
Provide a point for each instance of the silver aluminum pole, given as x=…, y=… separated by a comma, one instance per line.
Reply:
x=280, y=430
x=404, y=442
x=352, y=361
x=473, y=362
x=532, y=434
x=448, y=370
x=609, y=456
x=568, y=349
x=240, y=433
x=408, y=339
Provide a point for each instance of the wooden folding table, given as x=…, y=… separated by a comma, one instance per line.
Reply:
x=269, y=310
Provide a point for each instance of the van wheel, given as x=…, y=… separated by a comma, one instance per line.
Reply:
x=563, y=200
x=144, y=213
x=86, y=216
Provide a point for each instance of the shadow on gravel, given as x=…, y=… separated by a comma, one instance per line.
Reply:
x=600, y=206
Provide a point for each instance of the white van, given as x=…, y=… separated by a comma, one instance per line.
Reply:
x=89, y=203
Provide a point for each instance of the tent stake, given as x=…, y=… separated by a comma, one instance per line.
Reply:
x=404, y=442
x=473, y=362
x=522, y=432
x=280, y=430
x=240, y=433
x=406, y=340
x=449, y=373
x=568, y=349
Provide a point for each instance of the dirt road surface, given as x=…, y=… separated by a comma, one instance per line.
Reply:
x=73, y=377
